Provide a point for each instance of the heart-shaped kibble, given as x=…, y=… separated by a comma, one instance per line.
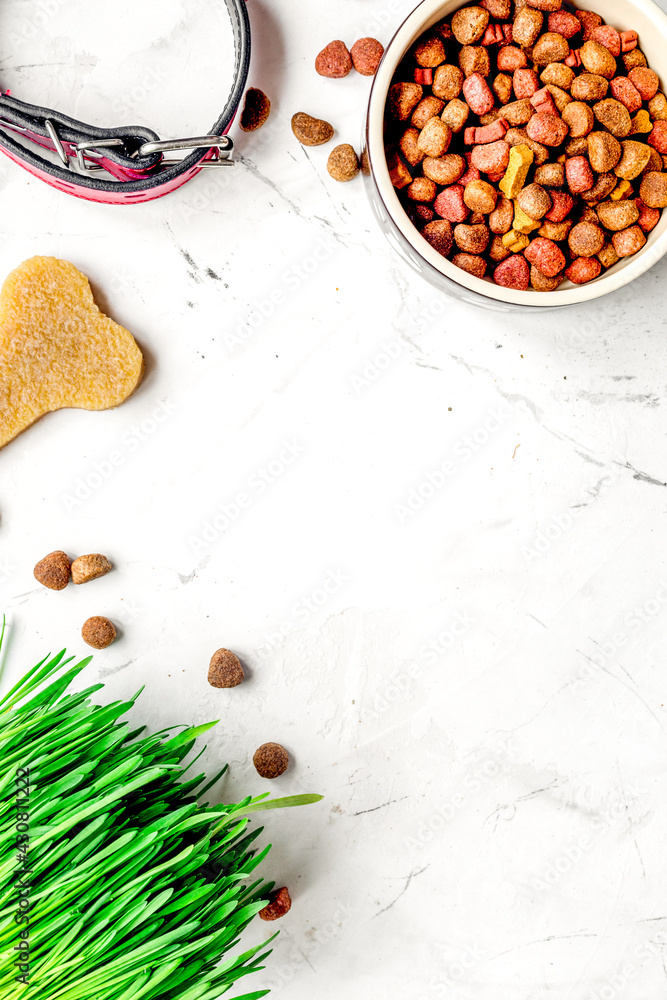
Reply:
x=57, y=349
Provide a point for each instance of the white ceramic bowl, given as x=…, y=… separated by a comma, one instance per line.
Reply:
x=642, y=16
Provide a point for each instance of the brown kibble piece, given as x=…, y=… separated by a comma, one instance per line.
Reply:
x=225, y=670
x=614, y=116
x=527, y=26
x=589, y=87
x=53, y=571
x=541, y=283
x=57, y=349
x=618, y=215
x=469, y=24
x=98, y=632
x=456, y=114
x=598, y=59
x=343, y=163
x=608, y=256
x=585, y=239
x=558, y=74
x=403, y=99
x=366, y=54
x=256, y=110
x=422, y=190
x=430, y=52
x=550, y=48
x=271, y=760
x=474, y=59
x=604, y=185
x=435, y=137
x=550, y=175
x=444, y=170
x=425, y=110
x=635, y=158
x=604, y=151
x=90, y=567
x=409, y=147
x=334, y=61
x=311, y=131
x=440, y=236
x=447, y=82
x=279, y=904
x=480, y=196
x=653, y=190
x=534, y=201
x=471, y=263
x=579, y=117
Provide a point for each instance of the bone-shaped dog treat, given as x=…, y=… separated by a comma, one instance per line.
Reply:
x=57, y=349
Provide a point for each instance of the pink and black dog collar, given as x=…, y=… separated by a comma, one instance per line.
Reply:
x=130, y=157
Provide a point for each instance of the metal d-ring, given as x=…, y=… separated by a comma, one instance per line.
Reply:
x=55, y=139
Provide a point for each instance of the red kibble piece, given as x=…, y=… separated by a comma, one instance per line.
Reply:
x=543, y=102
x=645, y=80
x=563, y=23
x=625, y=91
x=562, y=204
x=279, y=904
x=478, y=94
x=573, y=59
x=507, y=33
x=578, y=174
x=547, y=129
x=450, y=205
x=629, y=41
x=609, y=37
x=486, y=133
x=513, y=273
x=525, y=83
x=491, y=157
x=584, y=269
x=648, y=217
x=545, y=255
x=658, y=137
x=495, y=176
x=334, y=61
x=493, y=35
x=471, y=174
x=424, y=77
x=510, y=57
x=366, y=54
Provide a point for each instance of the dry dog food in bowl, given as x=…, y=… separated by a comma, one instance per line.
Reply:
x=526, y=143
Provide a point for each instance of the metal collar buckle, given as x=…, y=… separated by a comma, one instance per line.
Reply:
x=222, y=143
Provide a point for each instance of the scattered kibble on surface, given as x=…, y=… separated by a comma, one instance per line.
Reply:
x=256, y=110
x=343, y=163
x=54, y=570
x=334, y=61
x=98, y=632
x=280, y=903
x=90, y=567
x=311, y=131
x=271, y=760
x=225, y=670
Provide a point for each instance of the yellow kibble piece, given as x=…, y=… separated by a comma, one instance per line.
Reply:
x=523, y=223
x=562, y=159
x=520, y=162
x=641, y=123
x=620, y=191
x=516, y=242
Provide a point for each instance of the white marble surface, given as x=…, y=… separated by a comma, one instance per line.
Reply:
x=475, y=682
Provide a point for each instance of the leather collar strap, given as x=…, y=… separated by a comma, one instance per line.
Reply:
x=131, y=154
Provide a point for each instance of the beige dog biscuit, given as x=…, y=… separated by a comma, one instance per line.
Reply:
x=57, y=349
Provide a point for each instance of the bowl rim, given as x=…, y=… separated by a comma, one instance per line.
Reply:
x=424, y=15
